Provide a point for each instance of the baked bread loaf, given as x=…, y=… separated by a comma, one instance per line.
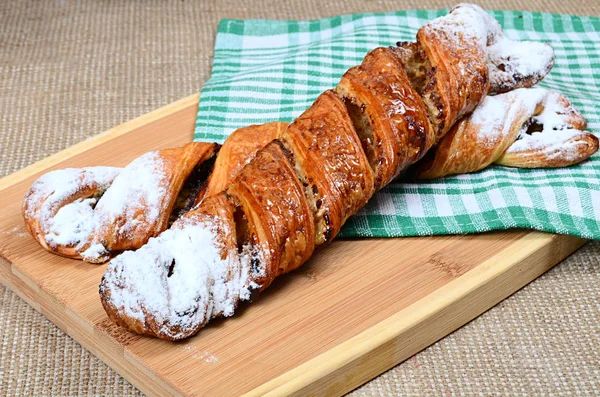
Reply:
x=297, y=192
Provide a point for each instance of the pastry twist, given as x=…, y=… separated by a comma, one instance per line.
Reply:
x=83, y=214
x=297, y=191
x=526, y=128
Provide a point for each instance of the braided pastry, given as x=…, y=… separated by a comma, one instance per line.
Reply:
x=297, y=191
x=526, y=128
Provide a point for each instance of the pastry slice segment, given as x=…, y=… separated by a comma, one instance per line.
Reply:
x=274, y=222
x=330, y=162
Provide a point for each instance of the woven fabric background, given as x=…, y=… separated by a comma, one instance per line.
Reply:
x=72, y=69
x=265, y=70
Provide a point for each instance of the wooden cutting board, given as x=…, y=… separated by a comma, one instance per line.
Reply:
x=354, y=310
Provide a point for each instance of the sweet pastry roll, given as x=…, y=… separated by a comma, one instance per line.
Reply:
x=275, y=193
x=296, y=192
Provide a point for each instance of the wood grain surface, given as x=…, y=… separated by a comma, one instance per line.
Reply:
x=354, y=310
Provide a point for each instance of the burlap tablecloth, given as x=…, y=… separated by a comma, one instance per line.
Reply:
x=70, y=70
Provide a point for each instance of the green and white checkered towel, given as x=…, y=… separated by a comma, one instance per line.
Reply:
x=273, y=70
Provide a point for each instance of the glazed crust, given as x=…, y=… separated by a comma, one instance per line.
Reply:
x=276, y=211
x=399, y=131
x=330, y=163
x=457, y=80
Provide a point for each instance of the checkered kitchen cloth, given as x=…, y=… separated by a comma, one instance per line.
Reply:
x=273, y=70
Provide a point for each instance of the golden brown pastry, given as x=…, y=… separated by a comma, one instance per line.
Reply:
x=296, y=193
x=93, y=212
x=527, y=128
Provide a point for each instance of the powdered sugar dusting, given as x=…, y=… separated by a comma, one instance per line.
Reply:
x=200, y=355
x=552, y=143
x=95, y=250
x=506, y=119
x=136, y=195
x=488, y=119
x=557, y=137
x=73, y=224
x=518, y=63
x=511, y=64
x=180, y=278
x=495, y=116
x=140, y=182
x=555, y=115
x=522, y=57
x=15, y=231
x=469, y=22
x=116, y=197
x=69, y=223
